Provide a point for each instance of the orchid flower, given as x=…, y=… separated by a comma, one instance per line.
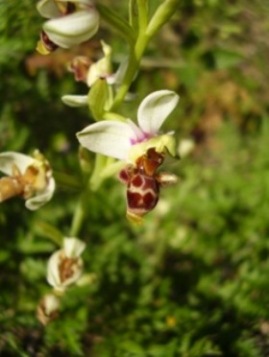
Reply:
x=70, y=23
x=29, y=177
x=65, y=266
x=101, y=69
x=128, y=141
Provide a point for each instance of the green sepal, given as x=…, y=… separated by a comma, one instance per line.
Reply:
x=118, y=23
x=98, y=98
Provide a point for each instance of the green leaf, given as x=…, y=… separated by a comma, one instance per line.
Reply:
x=226, y=59
x=119, y=24
x=47, y=230
x=67, y=181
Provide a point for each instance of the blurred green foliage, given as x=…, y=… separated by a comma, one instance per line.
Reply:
x=191, y=281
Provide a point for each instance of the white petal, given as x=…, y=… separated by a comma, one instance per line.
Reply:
x=154, y=109
x=72, y=29
x=73, y=247
x=48, y=9
x=75, y=100
x=9, y=159
x=41, y=198
x=53, y=276
x=110, y=138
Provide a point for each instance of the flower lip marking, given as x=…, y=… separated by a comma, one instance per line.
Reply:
x=143, y=184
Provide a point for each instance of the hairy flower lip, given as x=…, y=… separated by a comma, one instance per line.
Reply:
x=118, y=139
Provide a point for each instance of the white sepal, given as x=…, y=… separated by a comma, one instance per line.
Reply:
x=110, y=138
x=72, y=29
x=41, y=198
x=73, y=247
x=9, y=159
x=154, y=110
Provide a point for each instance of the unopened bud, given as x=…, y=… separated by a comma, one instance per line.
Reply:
x=48, y=309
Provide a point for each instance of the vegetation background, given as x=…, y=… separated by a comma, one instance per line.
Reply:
x=193, y=280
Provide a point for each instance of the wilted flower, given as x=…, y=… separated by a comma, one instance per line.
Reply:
x=65, y=266
x=128, y=141
x=48, y=308
x=29, y=177
x=70, y=23
x=80, y=66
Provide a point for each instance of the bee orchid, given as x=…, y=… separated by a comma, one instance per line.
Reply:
x=126, y=140
x=70, y=23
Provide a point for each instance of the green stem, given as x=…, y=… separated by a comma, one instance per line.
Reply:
x=133, y=65
x=146, y=32
x=78, y=217
x=95, y=179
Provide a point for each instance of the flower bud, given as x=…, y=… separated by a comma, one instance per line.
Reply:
x=48, y=309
